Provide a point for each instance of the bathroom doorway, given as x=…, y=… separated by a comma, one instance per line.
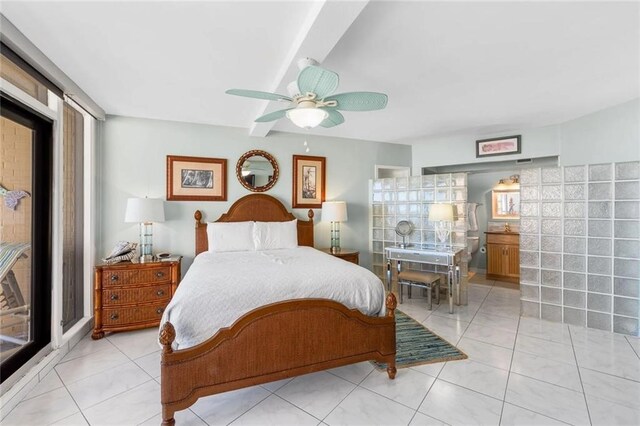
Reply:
x=487, y=196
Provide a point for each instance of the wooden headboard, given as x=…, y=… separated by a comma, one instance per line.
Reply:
x=259, y=208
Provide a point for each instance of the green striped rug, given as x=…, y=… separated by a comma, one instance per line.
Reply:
x=416, y=345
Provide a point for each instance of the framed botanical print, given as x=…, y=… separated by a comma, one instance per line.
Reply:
x=196, y=179
x=308, y=181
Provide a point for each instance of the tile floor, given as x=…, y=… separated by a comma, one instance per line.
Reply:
x=520, y=371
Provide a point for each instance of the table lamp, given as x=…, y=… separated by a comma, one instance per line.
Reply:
x=334, y=212
x=442, y=215
x=145, y=211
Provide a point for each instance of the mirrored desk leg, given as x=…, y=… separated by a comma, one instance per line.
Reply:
x=398, y=269
x=389, y=274
x=450, y=279
x=457, y=275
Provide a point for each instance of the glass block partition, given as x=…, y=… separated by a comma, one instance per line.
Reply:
x=580, y=245
x=409, y=198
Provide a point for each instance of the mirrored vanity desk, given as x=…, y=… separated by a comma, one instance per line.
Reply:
x=431, y=255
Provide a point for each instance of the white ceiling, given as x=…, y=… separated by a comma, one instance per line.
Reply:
x=448, y=67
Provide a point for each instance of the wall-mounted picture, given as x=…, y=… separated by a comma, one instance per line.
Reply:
x=196, y=178
x=498, y=146
x=308, y=181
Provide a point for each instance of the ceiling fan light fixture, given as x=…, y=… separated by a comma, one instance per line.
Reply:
x=307, y=118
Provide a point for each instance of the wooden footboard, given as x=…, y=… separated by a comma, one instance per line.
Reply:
x=270, y=343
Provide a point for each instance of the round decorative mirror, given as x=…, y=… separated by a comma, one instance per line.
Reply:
x=404, y=228
x=257, y=170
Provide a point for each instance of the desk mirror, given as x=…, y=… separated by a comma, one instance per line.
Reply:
x=404, y=228
x=257, y=171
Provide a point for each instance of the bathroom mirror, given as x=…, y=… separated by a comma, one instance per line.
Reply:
x=505, y=204
x=257, y=170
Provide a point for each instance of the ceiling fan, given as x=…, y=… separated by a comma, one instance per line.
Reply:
x=312, y=101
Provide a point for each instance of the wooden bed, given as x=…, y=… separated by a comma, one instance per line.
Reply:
x=274, y=341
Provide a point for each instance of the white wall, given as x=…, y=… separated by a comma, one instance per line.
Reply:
x=132, y=162
x=605, y=136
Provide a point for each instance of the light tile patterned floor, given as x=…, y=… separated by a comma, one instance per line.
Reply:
x=520, y=371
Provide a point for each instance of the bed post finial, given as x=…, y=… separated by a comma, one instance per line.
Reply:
x=391, y=304
x=310, y=214
x=167, y=336
x=197, y=216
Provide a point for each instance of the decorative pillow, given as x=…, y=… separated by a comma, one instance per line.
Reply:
x=230, y=236
x=276, y=235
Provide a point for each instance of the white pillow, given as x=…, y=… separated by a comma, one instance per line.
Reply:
x=276, y=235
x=230, y=236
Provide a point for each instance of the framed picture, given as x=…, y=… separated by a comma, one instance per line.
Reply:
x=498, y=146
x=196, y=179
x=308, y=181
x=505, y=205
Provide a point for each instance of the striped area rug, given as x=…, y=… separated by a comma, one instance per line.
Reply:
x=416, y=345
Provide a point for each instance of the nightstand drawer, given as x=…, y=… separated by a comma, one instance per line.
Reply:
x=132, y=315
x=353, y=258
x=112, y=277
x=124, y=296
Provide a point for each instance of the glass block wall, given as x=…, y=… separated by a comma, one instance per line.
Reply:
x=409, y=198
x=580, y=245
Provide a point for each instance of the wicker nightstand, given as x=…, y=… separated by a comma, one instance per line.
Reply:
x=129, y=296
x=349, y=255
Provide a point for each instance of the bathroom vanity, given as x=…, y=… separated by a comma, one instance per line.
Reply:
x=503, y=256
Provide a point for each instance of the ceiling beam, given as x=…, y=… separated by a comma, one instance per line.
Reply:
x=320, y=32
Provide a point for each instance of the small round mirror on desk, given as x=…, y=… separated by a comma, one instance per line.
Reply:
x=257, y=171
x=404, y=228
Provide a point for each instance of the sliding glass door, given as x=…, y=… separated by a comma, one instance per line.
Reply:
x=25, y=234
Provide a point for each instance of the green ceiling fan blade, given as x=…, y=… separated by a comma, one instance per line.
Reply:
x=272, y=116
x=359, y=101
x=333, y=119
x=317, y=80
x=258, y=95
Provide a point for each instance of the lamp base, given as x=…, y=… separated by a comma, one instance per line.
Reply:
x=146, y=258
x=335, y=237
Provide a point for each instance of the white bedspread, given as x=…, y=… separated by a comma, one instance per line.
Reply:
x=221, y=287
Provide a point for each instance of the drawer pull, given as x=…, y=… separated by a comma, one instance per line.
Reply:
x=159, y=311
x=160, y=293
x=114, y=277
x=159, y=274
x=114, y=297
x=114, y=316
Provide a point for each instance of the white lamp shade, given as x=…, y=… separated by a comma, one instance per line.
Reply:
x=307, y=118
x=334, y=211
x=145, y=210
x=441, y=212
